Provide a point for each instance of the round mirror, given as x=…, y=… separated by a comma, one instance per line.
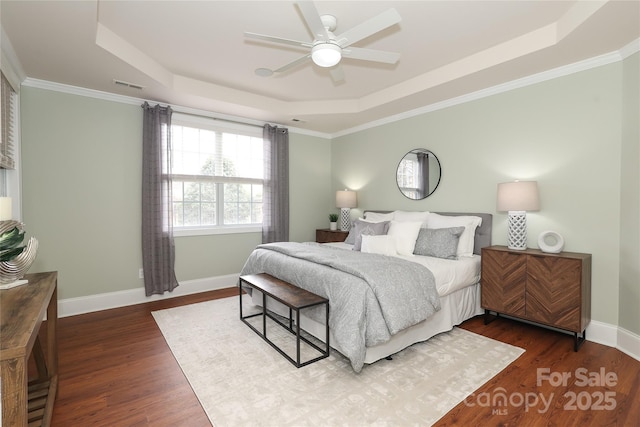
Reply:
x=418, y=174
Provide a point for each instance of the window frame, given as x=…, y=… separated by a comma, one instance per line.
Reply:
x=8, y=127
x=216, y=125
x=11, y=179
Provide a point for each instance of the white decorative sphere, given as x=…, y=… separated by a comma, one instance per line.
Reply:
x=550, y=242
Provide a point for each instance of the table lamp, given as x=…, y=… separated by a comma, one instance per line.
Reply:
x=517, y=198
x=345, y=200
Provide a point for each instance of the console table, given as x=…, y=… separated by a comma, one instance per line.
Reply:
x=22, y=310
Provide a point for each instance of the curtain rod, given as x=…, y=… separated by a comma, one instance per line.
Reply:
x=219, y=119
x=206, y=115
x=201, y=113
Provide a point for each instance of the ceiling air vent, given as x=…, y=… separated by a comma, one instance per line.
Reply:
x=127, y=84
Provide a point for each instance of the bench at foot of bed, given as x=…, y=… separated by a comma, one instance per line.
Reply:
x=295, y=299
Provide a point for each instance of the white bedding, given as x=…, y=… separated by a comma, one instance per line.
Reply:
x=450, y=275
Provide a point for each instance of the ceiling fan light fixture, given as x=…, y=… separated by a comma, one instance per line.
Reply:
x=326, y=54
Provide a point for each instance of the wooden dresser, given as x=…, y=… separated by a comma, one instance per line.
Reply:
x=549, y=289
x=21, y=312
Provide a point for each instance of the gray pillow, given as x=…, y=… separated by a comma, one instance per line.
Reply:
x=367, y=228
x=351, y=237
x=438, y=242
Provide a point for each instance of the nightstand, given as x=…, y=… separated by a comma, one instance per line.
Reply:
x=549, y=289
x=326, y=235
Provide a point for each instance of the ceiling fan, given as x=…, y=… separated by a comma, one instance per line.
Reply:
x=327, y=49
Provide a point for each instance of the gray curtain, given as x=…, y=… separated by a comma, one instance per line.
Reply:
x=275, y=203
x=423, y=175
x=158, y=251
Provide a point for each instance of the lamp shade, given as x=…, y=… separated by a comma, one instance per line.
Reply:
x=346, y=199
x=518, y=196
x=326, y=54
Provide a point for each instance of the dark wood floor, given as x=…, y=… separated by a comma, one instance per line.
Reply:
x=116, y=370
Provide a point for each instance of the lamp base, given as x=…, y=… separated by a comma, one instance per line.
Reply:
x=517, y=231
x=345, y=219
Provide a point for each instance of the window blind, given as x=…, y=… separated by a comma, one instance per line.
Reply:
x=7, y=124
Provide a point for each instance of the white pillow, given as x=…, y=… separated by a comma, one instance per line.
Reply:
x=411, y=216
x=467, y=239
x=384, y=244
x=378, y=217
x=405, y=234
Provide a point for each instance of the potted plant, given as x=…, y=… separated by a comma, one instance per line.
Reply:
x=333, y=221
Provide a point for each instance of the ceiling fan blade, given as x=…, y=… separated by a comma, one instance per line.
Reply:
x=371, y=55
x=279, y=40
x=368, y=28
x=292, y=64
x=337, y=74
x=312, y=18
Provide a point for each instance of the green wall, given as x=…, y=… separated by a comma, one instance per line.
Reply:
x=630, y=200
x=565, y=133
x=81, y=167
x=81, y=189
x=576, y=135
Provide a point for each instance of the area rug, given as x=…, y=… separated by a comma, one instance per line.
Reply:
x=242, y=381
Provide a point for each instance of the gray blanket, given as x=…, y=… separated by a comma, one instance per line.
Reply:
x=372, y=297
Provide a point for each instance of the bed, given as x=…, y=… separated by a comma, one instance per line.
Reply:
x=360, y=328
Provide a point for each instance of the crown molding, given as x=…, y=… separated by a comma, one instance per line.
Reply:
x=81, y=91
x=555, y=73
x=630, y=49
x=129, y=100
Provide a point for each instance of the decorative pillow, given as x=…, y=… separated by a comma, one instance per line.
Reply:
x=378, y=217
x=351, y=237
x=470, y=223
x=383, y=244
x=438, y=242
x=411, y=216
x=361, y=228
x=405, y=234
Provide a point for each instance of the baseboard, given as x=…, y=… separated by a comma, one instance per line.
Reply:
x=91, y=303
x=602, y=333
x=629, y=343
x=605, y=334
x=614, y=336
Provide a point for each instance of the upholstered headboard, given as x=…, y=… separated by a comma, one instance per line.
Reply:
x=483, y=233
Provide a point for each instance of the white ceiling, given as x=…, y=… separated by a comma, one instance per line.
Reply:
x=194, y=54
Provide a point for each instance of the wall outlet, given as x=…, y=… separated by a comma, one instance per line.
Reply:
x=141, y=274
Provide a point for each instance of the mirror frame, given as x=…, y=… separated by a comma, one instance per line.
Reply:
x=432, y=155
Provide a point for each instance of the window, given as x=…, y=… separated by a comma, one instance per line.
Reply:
x=7, y=124
x=407, y=176
x=217, y=172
